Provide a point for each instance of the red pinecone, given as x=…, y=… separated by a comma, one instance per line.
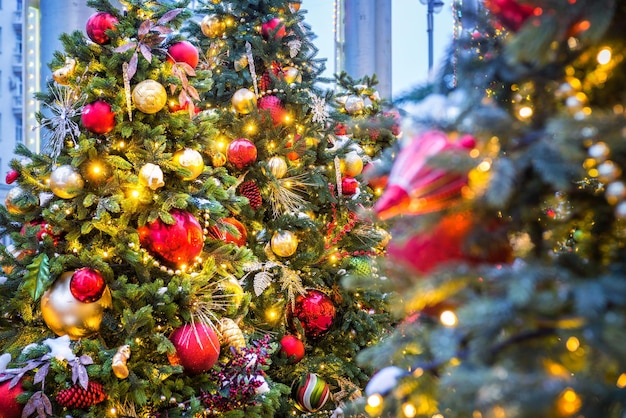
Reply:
x=250, y=190
x=265, y=83
x=78, y=397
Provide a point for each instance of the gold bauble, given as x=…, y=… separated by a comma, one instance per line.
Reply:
x=241, y=63
x=149, y=96
x=191, y=160
x=66, y=315
x=352, y=164
x=292, y=75
x=151, y=176
x=13, y=196
x=354, y=104
x=244, y=101
x=66, y=182
x=218, y=159
x=63, y=74
x=278, y=167
x=212, y=26
x=284, y=243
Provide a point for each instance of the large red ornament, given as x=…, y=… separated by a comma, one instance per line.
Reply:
x=270, y=26
x=315, y=311
x=98, y=24
x=183, y=51
x=241, y=153
x=239, y=239
x=292, y=348
x=176, y=244
x=9, y=408
x=275, y=108
x=87, y=285
x=414, y=186
x=97, y=117
x=197, y=348
x=510, y=13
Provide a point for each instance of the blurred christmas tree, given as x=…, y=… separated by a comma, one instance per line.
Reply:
x=508, y=204
x=179, y=247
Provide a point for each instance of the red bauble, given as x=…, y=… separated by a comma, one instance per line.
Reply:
x=241, y=153
x=183, y=51
x=341, y=129
x=240, y=239
x=315, y=311
x=9, y=408
x=98, y=24
x=12, y=175
x=270, y=26
x=349, y=185
x=176, y=244
x=292, y=348
x=197, y=348
x=87, y=285
x=509, y=12
x=97, y=117
x=275, y=108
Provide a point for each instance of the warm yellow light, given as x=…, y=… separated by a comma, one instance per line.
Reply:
x=375, y=401
x=525, y=112
x=134, y=194
x=271, y=315
x=572, y=344
x=448, y=318
x=604, y=56
x=409, y=410
x=621, y=381
x=569, y=402
x=251, y=128
x=113, y=411
x=484, y=166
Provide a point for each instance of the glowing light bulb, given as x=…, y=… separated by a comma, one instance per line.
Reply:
x=604, y=56
x=375, y=401
x=572, y=344
x=409, y=410
x=448, y=318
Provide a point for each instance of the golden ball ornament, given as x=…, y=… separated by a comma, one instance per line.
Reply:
x=284, y=243
x=149, y=96
x=354, y=104
x=218, y=159
x=12, y=198
x=66, y=182
x=278, y=167
x=63, y=74
x=352, y=164
x=191, y=160
x=244, y=101
x=241, y=63
x=64, y=314
x=151, y=175
x=292, y=75
x=212, y=26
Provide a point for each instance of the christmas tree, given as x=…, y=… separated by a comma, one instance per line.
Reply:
x=179, y=248
x=508, y=209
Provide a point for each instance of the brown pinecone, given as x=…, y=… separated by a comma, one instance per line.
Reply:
x=250, y=190
x=78, y=397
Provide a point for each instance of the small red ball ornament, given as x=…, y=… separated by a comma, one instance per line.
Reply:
x=98, y=24
x=12, y=175
x=87, y=285
x=292, y=348
x=183, y=51
x=270, y=26
x=274, y=106
x=97, y=117
x=9, y=407
x=176, y=244
x=510, y=13
x=197, y=348
x=349, y=185
x=241, y=153
x=239, y=239
x=315, y=311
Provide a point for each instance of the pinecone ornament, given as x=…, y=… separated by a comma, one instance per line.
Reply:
x=79, y=397
x=265, y=83
x=250, y=190
x=232, y=335
x=360, y=266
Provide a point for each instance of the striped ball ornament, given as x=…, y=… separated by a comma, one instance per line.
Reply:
x=310, y=393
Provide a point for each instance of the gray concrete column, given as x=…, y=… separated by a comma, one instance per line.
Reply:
x=383, y=47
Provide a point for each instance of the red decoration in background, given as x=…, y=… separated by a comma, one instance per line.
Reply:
x=176, y=244
x=292, y=348
x=315, y=311
x=98, y=24
x=9, y=408
x=270, y=26
x=97, y=117
x=413, y=186
x=183, y=51
x=349, y=185
x=241, y=153
x=12, y=175
x=240, y=239
x=197, y=348
x=510, y=13
x=87, y=285
x=274, y=106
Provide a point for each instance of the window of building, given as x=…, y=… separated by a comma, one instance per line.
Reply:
x=18, y=132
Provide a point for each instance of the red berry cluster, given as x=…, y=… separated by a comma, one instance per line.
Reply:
x=79, y=397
